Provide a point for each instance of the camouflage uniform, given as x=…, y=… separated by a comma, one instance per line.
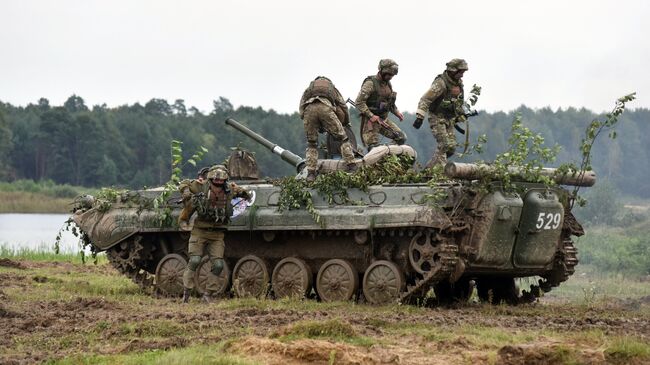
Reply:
x=377, y=97
x=443, y=102
x=213, y=207
x=322, y=107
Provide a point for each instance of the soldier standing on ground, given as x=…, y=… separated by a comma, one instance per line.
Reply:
x=211, y=199
x=322, y=108
x=443, y=102
x=375, y=100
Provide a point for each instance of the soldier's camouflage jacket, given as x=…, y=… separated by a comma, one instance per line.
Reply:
x=444, y=98
x=213, y=207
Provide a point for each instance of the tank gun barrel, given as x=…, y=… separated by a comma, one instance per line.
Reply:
x=288, y=156
x=471, y=171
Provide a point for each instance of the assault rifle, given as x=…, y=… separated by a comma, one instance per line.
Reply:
x=380, y=121
x=467, y=113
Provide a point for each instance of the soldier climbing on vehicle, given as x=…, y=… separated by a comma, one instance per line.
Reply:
x=322, y=108
x=375, y=100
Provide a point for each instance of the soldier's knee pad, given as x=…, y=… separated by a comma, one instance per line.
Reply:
x=194, y=262
x=450, y=152
x=217, y=266
x=312, y=144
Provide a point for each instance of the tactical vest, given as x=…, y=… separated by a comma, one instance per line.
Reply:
x=382, y=99
x=213, y=205
x=447, y=106
x=322, y=87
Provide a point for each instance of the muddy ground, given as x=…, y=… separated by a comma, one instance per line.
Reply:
x=57, y=311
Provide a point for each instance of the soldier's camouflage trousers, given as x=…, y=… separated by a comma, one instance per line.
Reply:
x=319, y=115
x=203, y=241
x=370, y=132
x=443, y=132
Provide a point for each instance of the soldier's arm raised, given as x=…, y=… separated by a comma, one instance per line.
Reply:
x=184, y=188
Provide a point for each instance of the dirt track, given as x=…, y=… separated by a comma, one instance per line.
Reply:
x=37, y=328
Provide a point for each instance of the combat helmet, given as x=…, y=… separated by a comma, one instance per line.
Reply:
x=218, y=172
x=203, y=172
x=388, y=66
x=457, y=64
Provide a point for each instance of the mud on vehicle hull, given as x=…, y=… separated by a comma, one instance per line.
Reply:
x=390, y=245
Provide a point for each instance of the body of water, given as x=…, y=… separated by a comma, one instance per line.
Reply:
x=36, y=232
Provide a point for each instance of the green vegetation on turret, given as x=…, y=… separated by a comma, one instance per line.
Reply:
x=393, y=169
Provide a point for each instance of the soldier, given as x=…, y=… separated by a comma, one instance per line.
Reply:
x=443, y=102
x=323, y=107
x=211, y=199
x=374, y=101
x=186, y=212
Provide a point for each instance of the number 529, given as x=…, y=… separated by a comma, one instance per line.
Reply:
x=548, y=221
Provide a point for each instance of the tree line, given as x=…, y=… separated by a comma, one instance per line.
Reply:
x=129, y=145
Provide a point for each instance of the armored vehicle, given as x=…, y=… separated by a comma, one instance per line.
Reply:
x=387, y=243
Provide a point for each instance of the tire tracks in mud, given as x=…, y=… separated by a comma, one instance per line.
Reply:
x=32, y=328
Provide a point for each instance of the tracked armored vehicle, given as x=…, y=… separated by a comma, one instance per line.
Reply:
x=387, y=244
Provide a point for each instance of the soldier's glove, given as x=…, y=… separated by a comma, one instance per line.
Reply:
x=418, y=123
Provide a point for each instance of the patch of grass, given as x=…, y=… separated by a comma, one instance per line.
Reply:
x=334, y=329
x=152, y=328
x=28, y=196
x=590, y=285
x=100, y=286
x=203, y=354
x=591, y=338
x=49, y=343
x=428, y=332
x=59, y=283
x=626, y=350
x=313, y=305
x=496, y=337
x=22, y=202
x=46, y=253
x=377, y=322
x=562, y=354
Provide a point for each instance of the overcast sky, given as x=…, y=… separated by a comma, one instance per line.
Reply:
x=264, y=53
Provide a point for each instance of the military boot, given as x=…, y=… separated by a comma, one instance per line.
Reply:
x=352, y=167
x=311, y=176
x=186, y=295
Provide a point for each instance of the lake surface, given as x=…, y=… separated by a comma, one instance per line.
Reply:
x=36, y=232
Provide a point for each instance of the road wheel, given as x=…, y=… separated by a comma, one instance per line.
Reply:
x=250, y=277
x=292, y=277
x=383, y=282
x=169, y=274
x=337, y=280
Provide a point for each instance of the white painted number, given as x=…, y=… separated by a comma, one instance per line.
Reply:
x=548, y=221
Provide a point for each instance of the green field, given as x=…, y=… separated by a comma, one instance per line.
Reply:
x=61, y=311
